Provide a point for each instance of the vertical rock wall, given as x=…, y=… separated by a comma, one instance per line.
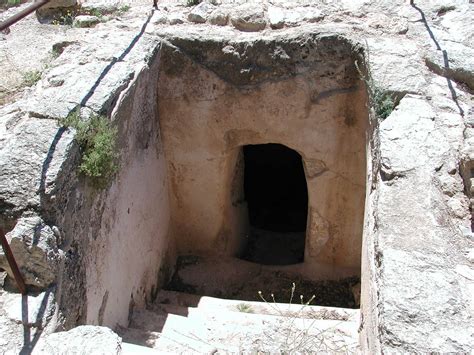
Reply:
x=302, y=91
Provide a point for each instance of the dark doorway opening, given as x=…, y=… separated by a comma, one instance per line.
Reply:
x=277, y=197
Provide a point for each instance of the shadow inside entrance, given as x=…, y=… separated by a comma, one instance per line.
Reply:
x=277, y=198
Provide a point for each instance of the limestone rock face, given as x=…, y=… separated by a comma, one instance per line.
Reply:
x=453, y=62
x=35, y=247
x=85, y=339
x=32, y=310
x=417, y=175
x=28, y=169
x=25, y=317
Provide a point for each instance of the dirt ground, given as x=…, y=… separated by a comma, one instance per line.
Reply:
x=195, y=275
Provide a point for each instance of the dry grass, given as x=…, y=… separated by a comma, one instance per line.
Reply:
x=294, y=333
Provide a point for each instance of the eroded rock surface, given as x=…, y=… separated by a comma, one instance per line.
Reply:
x=35, y=246
x=86, y=339
x=417, y=285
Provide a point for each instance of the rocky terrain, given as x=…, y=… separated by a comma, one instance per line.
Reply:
x=104, y=58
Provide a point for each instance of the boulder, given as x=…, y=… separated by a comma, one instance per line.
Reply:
x=219, y=17
x=201, y=12
x=276, y=17
x=86, y=21
x=54, y=8
x=249, y=18
x=102, y=6
x=159, y=18
x=176, y=18
x=35, y=247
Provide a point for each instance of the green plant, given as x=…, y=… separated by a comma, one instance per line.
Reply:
x=11, y=3
x=97, y=140
x=55, y=53
x=123, y=9
x=31, y=77
x=380, y=100
x=244, y=308
x=96, y=12
x=66, y=18
x=193, y=2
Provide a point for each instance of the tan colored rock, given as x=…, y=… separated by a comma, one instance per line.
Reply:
x=219, y=17
x=413, y=218
x=276, y=107
x=200, y=13
x=35, y=247
x=248, y=18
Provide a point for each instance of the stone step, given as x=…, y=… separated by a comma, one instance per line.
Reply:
x=205, y=331
x=178, y=336
x=179, y=303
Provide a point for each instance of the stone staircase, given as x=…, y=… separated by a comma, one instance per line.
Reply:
x=185, y=323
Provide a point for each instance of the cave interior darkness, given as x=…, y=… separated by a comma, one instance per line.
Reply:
x=277, y=198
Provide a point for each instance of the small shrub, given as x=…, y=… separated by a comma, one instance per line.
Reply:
x=244, y=308
x=66, y=18
x=31, y=77
x=11, y=3
x=123, y=9
x=380, y=100
x=193, y=2
x=55, y=53
x=96, y=12
x=97, y=140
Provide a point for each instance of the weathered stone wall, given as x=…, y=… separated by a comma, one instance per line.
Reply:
x=303, y=91
x=103, y=250
x=124, y=250
x=124, y=259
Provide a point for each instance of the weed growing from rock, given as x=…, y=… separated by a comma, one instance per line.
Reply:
x=123, y=9
x=244, y=308
x=97, y=140
x=5, y=4
x=11, y=3
x=296, y=334
x=31, y=77
x=193, y=2
x=380, y=100
x=65, y=18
